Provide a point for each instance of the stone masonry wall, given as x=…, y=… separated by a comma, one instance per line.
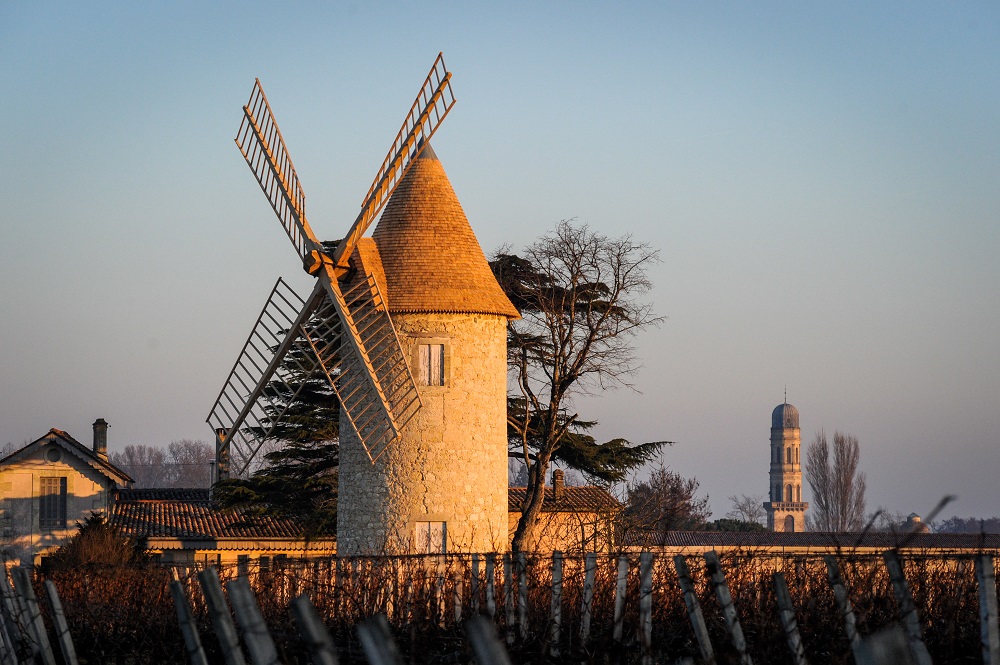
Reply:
x=451, y=462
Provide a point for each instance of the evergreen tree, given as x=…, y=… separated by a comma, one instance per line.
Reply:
x=299, y=478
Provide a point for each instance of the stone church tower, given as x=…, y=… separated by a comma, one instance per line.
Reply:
x=442, y=487
x=786, y=511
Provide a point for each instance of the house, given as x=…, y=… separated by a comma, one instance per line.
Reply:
x=49, y=485
x=574, y=519
x=183, y=527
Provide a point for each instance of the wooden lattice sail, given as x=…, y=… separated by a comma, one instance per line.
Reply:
x=346, y=325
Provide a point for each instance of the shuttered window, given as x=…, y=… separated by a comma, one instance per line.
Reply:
x=431, y=370
x=52, y=503
x=431, y=538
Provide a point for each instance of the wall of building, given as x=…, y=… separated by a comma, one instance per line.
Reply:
x=22, y=537
x=570, y=532
x=451, y=464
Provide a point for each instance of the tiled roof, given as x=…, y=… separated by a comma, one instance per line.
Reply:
x=189, y=514
x=432, y=260
x=573, y=500
x=818, y=540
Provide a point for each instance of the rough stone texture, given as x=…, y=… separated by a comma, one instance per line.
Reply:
x=785, y=438
x=450, y=464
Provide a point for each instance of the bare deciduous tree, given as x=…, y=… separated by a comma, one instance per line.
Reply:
x=666, y=502
x=146, y=464
x=747, y=508
x=579, y=293
x=192, y=463
x=838, y=487
x=184, y=463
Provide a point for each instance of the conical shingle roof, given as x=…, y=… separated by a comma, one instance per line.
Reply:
x=431, y=258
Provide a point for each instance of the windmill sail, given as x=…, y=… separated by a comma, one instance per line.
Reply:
x=350, y=333
x=266, y=379
x=374, y=383
x=428, y=110
x=261, y=144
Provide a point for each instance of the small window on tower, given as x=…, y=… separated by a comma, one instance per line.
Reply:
x=431, y=365
x=431, y=538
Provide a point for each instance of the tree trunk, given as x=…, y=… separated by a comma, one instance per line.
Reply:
x=527, y=526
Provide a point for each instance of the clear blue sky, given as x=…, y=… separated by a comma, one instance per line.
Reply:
x=823, y=182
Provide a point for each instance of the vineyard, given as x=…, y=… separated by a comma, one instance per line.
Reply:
x=593, y=608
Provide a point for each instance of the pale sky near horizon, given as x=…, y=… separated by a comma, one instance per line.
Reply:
x=822, y=180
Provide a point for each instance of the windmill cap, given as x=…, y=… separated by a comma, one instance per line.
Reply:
x=427, y=152
x=431, y=258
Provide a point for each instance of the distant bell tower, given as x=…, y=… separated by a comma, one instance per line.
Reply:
x=786, y=511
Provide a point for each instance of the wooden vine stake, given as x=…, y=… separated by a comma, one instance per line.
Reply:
x=556, y=607
x=474, y=586
x=907, y=611
x=491, y=583
x=646, y=607
x=22, y=584
x=377, y=641
x=218, y=611
x=786, y=612
x=587, y=604
x=725, y=598
x=314, y=633
x=694, y=610
x=522, y=595
x=484, y=642
x=508, y=597
x=189, y=629
x=620, y=589
x=843, y=605
x=255, y=633
x=989, y=630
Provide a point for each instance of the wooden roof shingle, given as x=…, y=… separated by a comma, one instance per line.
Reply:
x=431, y=258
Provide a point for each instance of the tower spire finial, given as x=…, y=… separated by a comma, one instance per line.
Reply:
x=786, y=394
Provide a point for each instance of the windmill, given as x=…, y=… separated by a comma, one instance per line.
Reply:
x=408, y=327
x=349, y=330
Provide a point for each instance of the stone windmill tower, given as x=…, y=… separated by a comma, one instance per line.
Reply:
x=443, y=486
x=785, y=511
x=409, y=329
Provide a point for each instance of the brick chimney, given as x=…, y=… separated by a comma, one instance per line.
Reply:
x=221, y=455
x=558, y=485
x=101, y=438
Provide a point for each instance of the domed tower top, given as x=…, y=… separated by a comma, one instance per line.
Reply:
x=785, y=416
x=432, y=260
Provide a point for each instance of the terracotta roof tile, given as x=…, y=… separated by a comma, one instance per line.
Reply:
x=432, y=260
x=574, y=499
x=188, y=513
